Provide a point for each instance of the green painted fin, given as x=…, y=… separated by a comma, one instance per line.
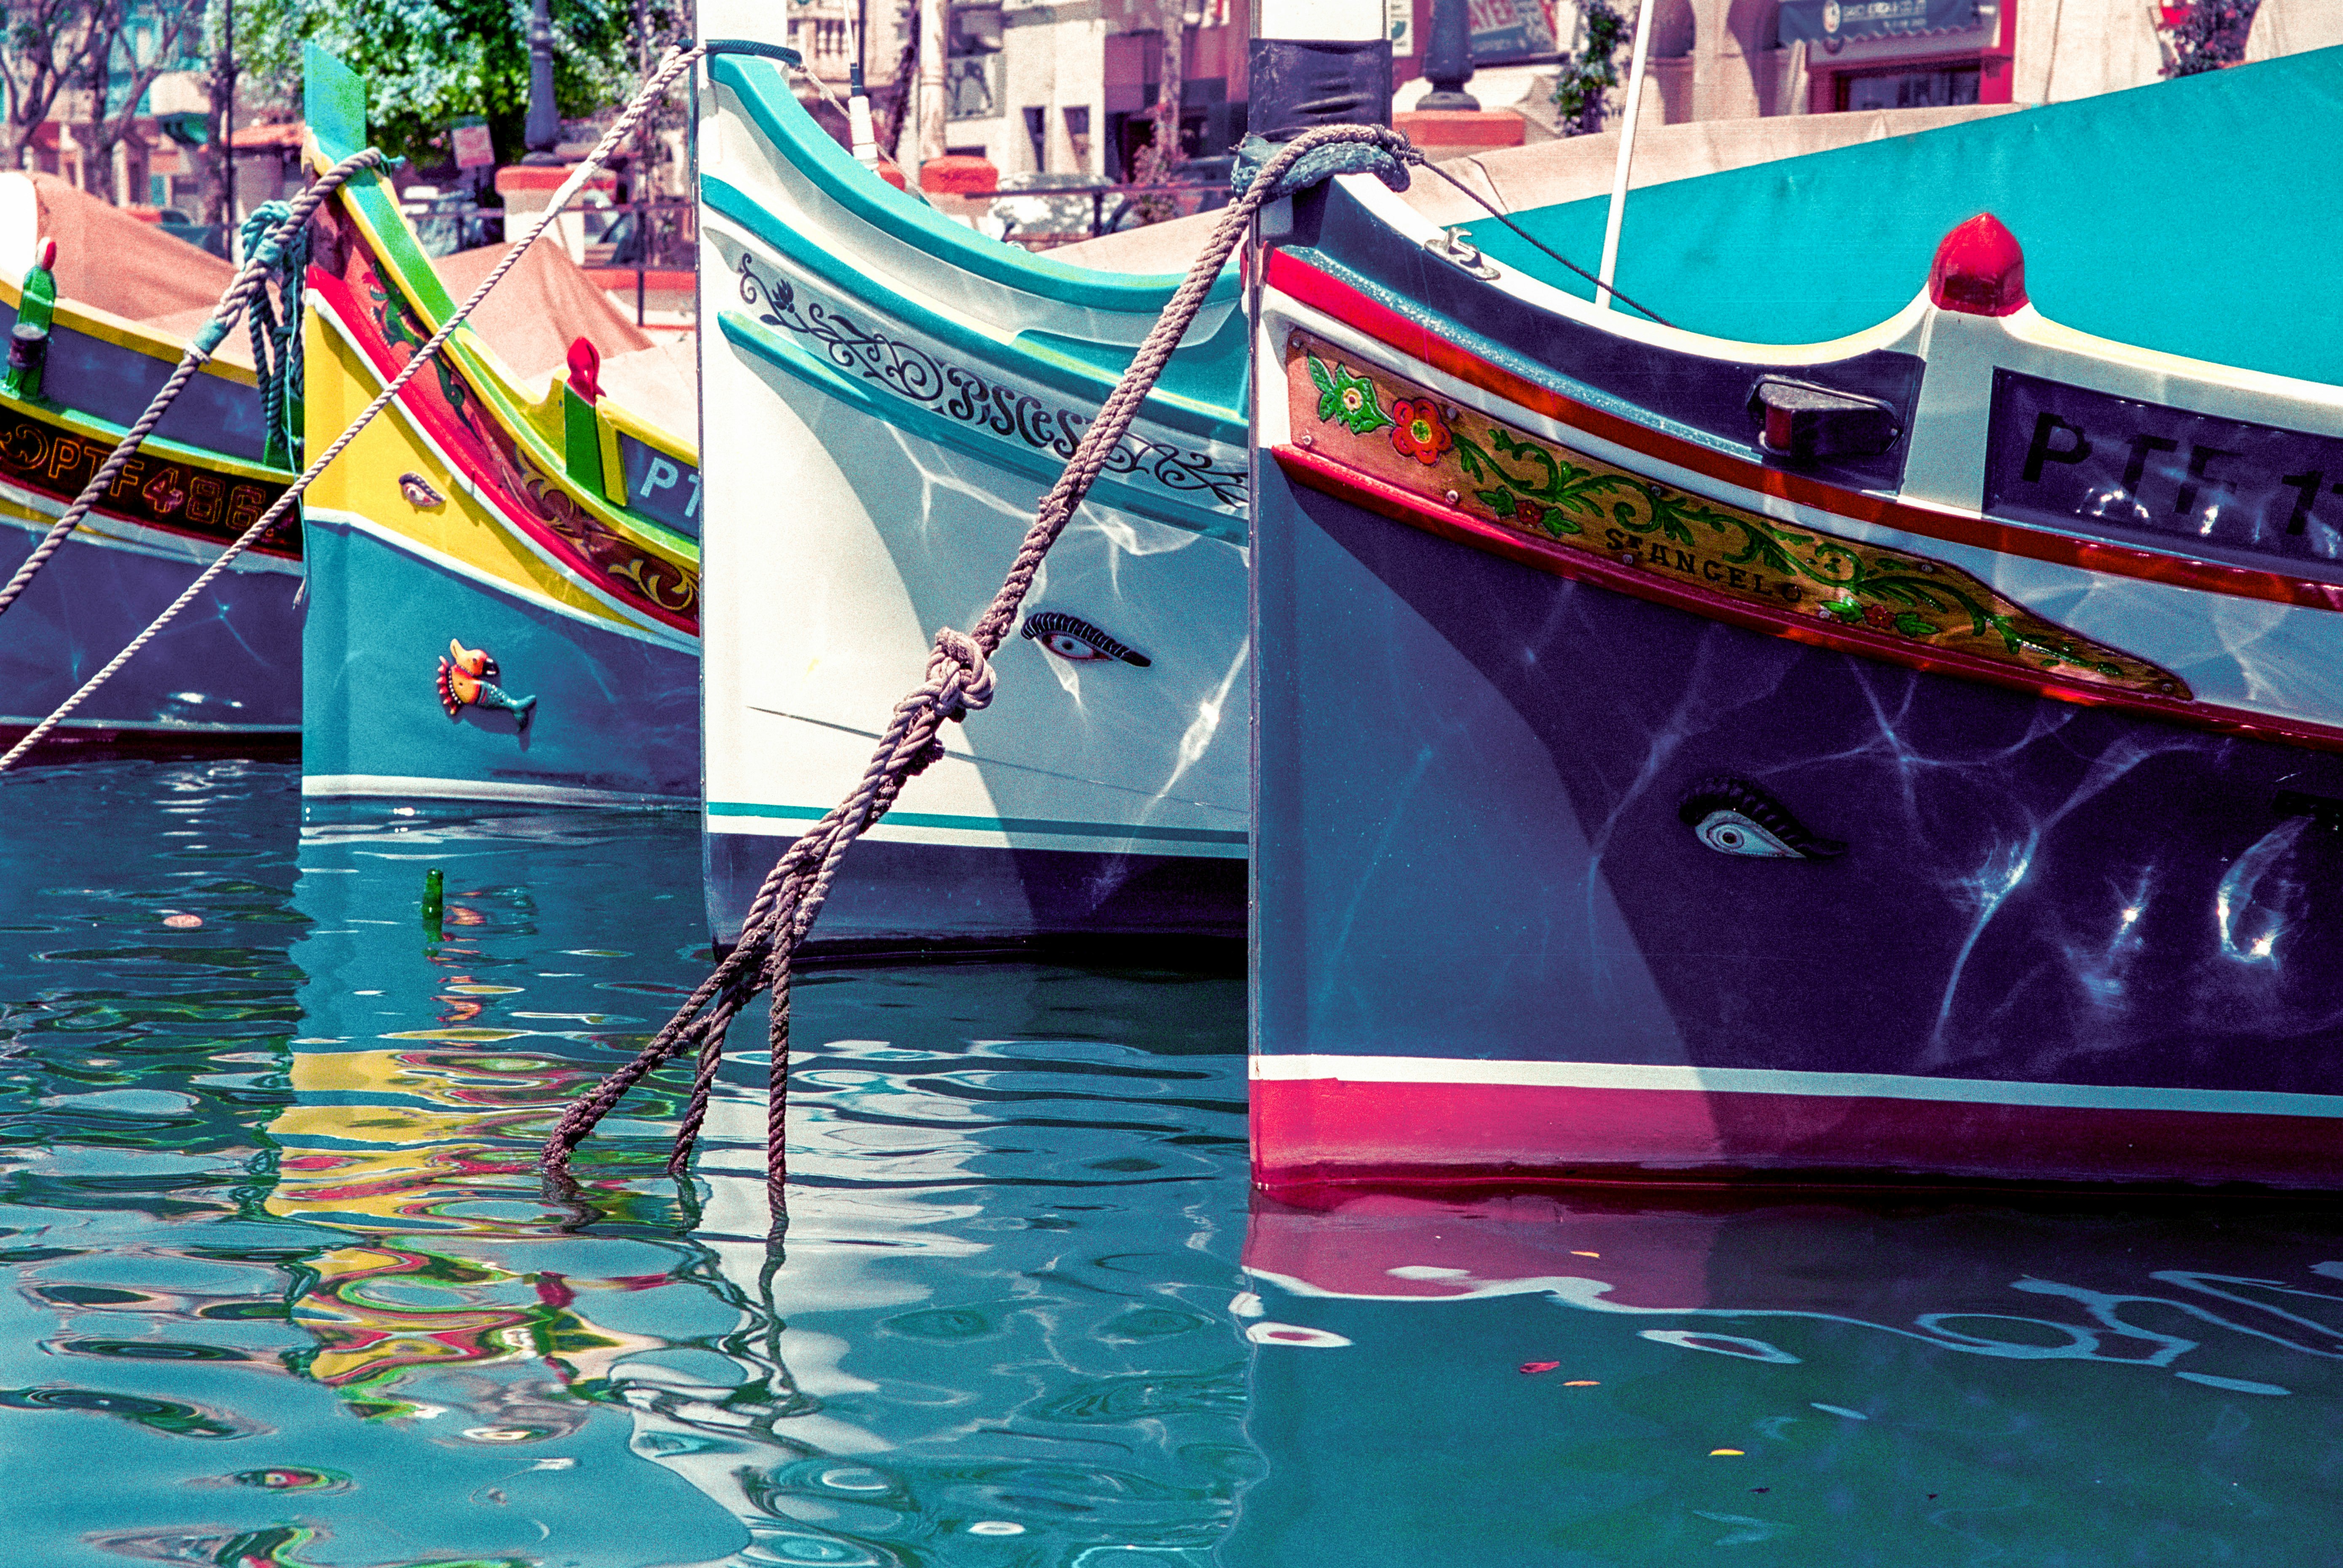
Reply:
x=333, y=101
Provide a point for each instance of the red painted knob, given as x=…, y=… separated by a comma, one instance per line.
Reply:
x=44, y=255
x=586, y=369
x=1980, y=270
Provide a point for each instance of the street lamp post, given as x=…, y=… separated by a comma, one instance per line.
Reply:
x=543, y=131
x=1448, y=58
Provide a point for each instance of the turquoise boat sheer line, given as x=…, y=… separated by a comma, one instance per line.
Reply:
x=1038, y=465
x=765, y=94
x=996, y=824
x=1216, y=415
x=2191, y=217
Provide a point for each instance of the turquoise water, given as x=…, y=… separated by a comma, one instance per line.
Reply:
x=283, y=1289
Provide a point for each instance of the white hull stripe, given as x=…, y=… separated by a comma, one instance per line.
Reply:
x=1038, y=826
x=334, y=786
x=1431, y=1070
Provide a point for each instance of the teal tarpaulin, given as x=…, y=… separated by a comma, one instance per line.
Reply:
x=2202, y=216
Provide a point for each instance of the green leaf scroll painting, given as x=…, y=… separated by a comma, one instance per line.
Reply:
x=1407, y=436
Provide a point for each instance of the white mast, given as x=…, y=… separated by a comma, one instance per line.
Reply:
x=1626, y=157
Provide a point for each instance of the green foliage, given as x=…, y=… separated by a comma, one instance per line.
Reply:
x=1593, y=71
x=2206, y=34
x=428, y=62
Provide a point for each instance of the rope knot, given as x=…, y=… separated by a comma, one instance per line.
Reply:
x=960, y=673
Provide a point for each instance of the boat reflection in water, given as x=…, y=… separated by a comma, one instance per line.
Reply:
x=458, y=1310
x=1838, y=1382
x=960, y=1341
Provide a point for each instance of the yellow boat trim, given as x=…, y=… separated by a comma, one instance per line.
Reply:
x=537, y=423
x=363, y=482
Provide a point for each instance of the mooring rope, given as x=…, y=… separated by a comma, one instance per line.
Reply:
x=277, y=342
x=959, y=677
x=676, y=62
x=261, y=260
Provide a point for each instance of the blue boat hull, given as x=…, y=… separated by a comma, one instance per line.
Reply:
x=2060, y=934
x=969, y=898
x=616, y=716
x=229, y=666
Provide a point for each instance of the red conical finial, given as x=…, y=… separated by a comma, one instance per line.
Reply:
x=1980, y=270
x=586, y=369
x=45, y=254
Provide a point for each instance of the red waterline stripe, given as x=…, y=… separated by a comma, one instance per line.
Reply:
x=1389, y=500
x=1310, y=1132
x=1320, y=291
x=453, y=439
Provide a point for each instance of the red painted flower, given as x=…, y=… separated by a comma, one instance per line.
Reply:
x=1529, y=514
x=1879, y=616
x=1419, y=432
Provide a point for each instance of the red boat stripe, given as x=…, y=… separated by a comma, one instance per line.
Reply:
x=1404, y=506
x=1311, y=1132
x=1289, y=275
x=1681, y=1079
x=343, y=308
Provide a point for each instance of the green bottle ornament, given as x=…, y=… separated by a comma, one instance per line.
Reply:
x=28, y=341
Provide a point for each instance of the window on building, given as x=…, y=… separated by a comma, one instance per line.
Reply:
x=1901, y=89
x=1078, y=135
x=1036, y=131
x=972, y=63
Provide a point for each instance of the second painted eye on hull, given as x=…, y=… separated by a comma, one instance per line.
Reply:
x=1735, y=816
x=1077, y=641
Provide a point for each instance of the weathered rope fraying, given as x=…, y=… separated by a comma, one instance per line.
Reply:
x=676, y=62
x=959, y=677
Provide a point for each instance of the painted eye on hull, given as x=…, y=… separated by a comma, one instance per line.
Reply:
x=1735, y=816
x=1065, y=645
x=1077, y=641
x=1731, y=833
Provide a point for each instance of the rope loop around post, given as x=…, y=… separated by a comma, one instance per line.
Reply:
x=959, y=677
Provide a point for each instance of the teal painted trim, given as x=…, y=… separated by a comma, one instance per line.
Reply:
x=996, y=824
x=1215, y=422
x=764, y=91
x=769, y=345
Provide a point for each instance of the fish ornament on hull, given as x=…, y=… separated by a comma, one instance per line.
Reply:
x=467, y=678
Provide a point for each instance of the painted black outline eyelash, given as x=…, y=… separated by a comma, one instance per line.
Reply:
x=1041, y=623
x=1725, y=792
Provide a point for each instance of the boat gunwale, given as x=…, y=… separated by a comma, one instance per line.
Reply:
x=1003, y=356
x=334, y=307
x=1320, y=284
x=527, y=420
x=815, y=153
x=96, y=322
x=1169, y=510
x=1385, y=209
x=527, y=428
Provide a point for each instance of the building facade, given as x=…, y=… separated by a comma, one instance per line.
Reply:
x=1068, y=87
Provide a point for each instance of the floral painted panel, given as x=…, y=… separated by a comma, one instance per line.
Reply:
x=1364, y=417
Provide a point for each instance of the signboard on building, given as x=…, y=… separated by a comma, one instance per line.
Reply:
x=1832, y=23
x=1399, y=25
x=1507, y=30
x=474, y=148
